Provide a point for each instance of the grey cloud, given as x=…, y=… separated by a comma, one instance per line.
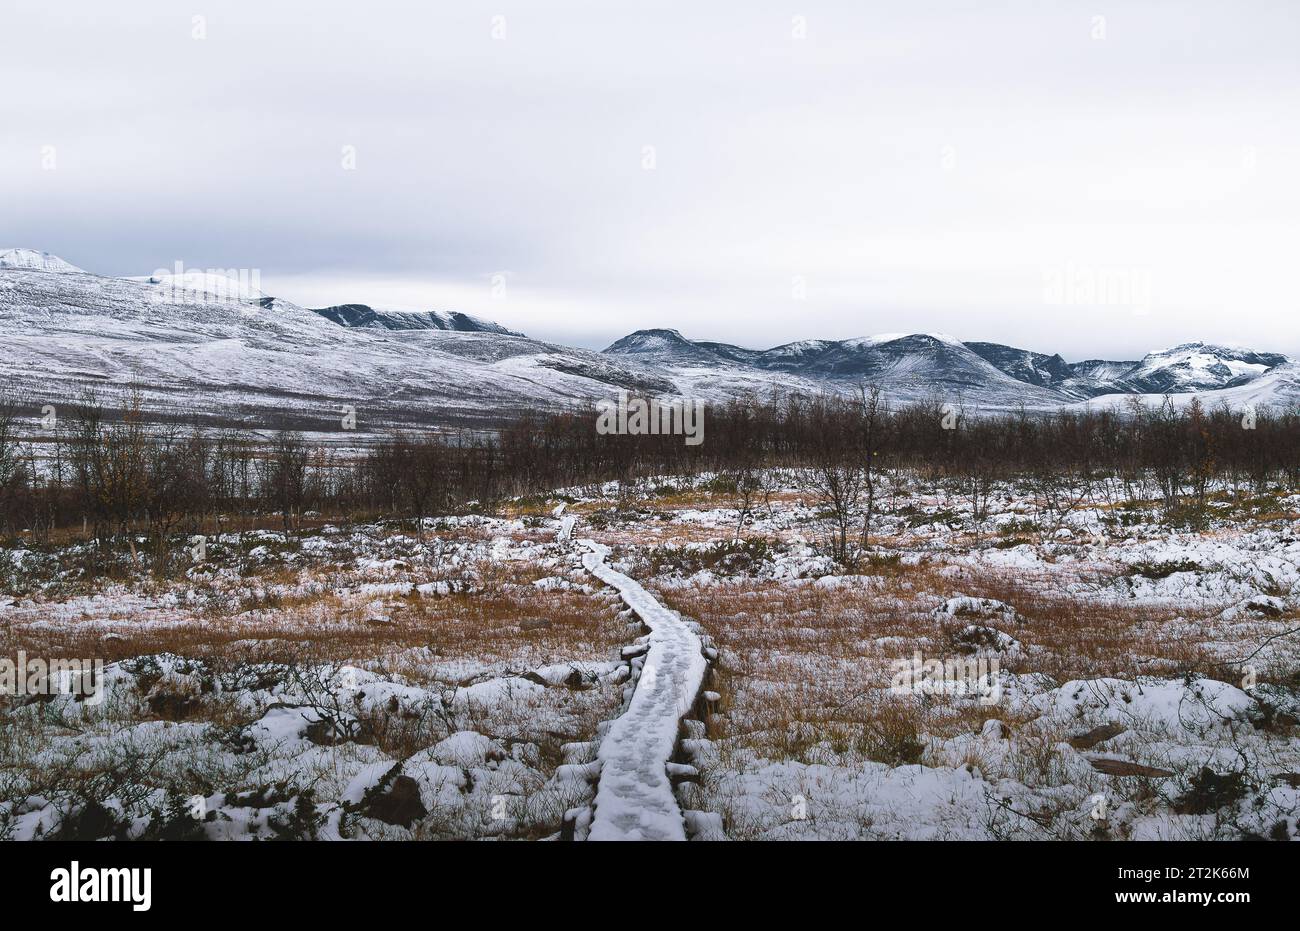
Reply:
x=917, y=166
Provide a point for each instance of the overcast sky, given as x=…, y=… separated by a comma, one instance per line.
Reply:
x=1095, y=179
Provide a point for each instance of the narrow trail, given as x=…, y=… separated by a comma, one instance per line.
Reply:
x=634, y=794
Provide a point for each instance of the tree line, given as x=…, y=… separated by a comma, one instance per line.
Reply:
x=115, y=476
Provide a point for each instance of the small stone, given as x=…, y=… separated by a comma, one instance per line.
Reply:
x=400, y=805
x=1095, y=736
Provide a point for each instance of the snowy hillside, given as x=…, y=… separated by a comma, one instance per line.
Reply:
x=1278, y=388
x=1200, y=366
x=269, y=362
x=199, y=287
x=36, y=261
x=220, y=349
x=1187, y=367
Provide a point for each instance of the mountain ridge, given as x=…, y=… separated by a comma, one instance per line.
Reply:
x=1190, y=366
x=363, y=315
x=238, y=354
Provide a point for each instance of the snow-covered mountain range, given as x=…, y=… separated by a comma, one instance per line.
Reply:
x=224, y=351
x=987, y=374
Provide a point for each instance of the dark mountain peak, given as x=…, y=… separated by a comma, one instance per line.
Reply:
x=367, y=317
x=647, y=341
x=905, y=340
x=354, y=315
x=665, y=345
x=1034, y=368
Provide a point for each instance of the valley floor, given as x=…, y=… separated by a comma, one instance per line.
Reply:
x=1034, y=674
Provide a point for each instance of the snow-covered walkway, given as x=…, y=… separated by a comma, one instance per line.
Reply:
x=634, y=797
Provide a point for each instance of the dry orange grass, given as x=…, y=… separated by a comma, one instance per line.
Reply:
x=1082, y=637
x=285, y=616
x=804, y=666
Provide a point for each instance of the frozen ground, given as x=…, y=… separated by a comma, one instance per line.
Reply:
x=1101, y=674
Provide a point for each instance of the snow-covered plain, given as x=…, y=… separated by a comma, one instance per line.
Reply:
x=483, y=679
